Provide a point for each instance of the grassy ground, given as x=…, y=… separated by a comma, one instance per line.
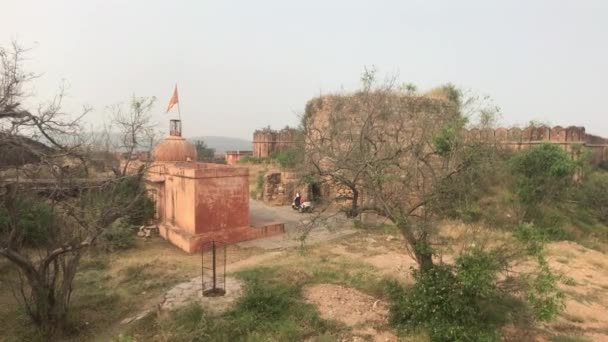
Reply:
x=110, y=288
x=272, y=307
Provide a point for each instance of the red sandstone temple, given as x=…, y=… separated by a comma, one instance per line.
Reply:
x=199, y=202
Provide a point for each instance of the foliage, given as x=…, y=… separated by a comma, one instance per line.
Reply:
x=407, y=157
x=125, y=192
x=546, y=299
x=446, y=138
x=45, y=237
x=452, y=303
x=289, y=158
x=35, y=221
x=120, y=235
x=594, y=194
x=266, y=303
x=203, y=152
x=543, y=294
x=542, y=174
x=258, y=190
x=267, y=311
x=253, y=160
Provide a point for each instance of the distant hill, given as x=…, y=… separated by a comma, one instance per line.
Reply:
x=223, y=144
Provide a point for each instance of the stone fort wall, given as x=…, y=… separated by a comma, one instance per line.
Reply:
x=570, y=138
x=267, y=142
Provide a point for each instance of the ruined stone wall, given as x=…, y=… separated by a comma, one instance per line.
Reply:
x=332, y=120
x=267, y=142
x=571, y=138
x=280, y=188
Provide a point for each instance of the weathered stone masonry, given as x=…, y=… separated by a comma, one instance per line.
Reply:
x=267, y=142
x=571, y=138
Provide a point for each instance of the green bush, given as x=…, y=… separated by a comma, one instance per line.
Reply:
x=594, y=194
x=451, y=303
x=143, y=209
x=258, y=190
x=119, y=236
x=253, y=160
x=541, y=173
x=289, y=158
x=203, y=152
x=546, y=299
x=269, y=310
x=35, y=224
x=543, y=293
x=265, y=302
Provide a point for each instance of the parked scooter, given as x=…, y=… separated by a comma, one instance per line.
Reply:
x=301, y=205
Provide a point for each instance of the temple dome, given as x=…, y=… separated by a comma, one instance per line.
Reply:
x=174, y=149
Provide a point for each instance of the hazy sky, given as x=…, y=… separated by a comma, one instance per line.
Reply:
x=242, y=65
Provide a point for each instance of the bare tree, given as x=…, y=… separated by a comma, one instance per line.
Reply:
x=407, y=154
x=46, y=224
x=137, y=132
x=336, y=148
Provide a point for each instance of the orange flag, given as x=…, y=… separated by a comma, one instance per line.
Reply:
x=174, y=100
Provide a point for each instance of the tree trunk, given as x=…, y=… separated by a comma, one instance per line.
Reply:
x=424, y=260
x=420, y=246
x=46, y=293
x=354, y=207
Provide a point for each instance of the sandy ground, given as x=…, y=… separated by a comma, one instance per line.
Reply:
x=584, y=275
x=583, y=272
x=365, y=314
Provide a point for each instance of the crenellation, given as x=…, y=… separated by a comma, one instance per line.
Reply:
x=267, y=142
x=517, y=138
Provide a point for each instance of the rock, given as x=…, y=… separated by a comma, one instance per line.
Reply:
x=390, y=238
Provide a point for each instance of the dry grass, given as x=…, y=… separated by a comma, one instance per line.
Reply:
x=110, y=288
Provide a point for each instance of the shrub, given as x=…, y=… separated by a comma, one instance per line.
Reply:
x=36, y=221
x=253, y=160
x=450, y=302
x=594, y=194
x=258, y=191
x=541, y=173
x=143, y=209
x=543, y=293
x=265, y=302
x=269, y=310
x=289, y=158
x=119, y=236
x=546, y=299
